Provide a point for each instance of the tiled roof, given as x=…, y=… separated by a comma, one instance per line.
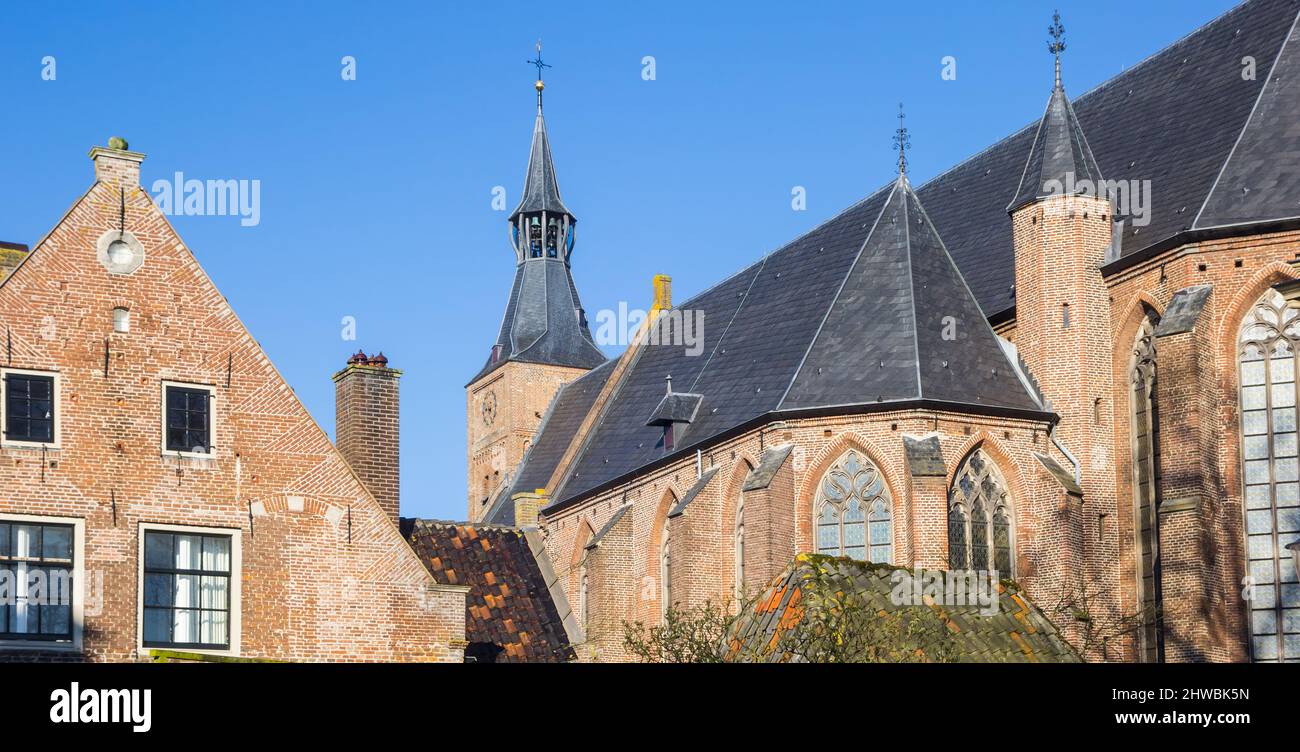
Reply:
x=1016, y=632
x=515, y=602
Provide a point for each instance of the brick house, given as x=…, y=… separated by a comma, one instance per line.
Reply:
x=161, y=475
x=960, y=375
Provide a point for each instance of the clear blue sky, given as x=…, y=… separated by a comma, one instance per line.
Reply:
x=376, y=193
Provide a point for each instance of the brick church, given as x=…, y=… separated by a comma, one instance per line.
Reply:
x=1015, y=367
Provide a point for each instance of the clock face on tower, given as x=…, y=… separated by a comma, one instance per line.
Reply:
x=489, y=408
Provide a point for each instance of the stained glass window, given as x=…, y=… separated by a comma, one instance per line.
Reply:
x=1266, y=356
x=853, y=512
x=666, y=570
x=1146, y=480
x=981, y=533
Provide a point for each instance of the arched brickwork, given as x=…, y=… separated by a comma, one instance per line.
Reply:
x=891, y=472
x=740, y=469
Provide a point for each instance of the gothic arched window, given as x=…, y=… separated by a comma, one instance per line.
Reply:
x=853, y=511
x=1267, y=358
x=740, y=548
x=980, y=530
x=666, y=570
x=584, y=602
x=738, y=553
x=1146, y=487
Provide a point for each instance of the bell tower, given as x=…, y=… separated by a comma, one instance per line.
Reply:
x=544, y=341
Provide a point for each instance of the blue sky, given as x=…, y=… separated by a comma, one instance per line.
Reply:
x=376, y=194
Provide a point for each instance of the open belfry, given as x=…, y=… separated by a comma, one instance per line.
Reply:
x=1069, y=360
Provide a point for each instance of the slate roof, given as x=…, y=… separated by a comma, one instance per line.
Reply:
x=514, y=601
x=541, y=189
x=1172, y=119
x=865, y=312
x=1016, y=633
x=543, y=321
x=1060, y=155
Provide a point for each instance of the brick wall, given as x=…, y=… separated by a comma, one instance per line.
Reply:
x=325, y=573
x=779, y=520
x=503, y=410
x=368, y=429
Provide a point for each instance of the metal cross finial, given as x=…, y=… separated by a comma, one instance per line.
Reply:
x=901, y=141
x=540, y=65
x=538, y=62
x=1057, y=45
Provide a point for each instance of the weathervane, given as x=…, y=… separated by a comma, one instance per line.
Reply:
x=901, y=141
x=539, y=65
x=1057, y=45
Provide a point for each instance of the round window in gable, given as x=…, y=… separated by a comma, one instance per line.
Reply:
x=119, y=252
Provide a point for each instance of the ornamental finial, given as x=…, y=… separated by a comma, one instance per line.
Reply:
x=539, y=65
x=1057, y=45
x=901, y=141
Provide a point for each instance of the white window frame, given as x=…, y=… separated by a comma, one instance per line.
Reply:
x=162, y=420
x=4, y=406
x=236, y=578
x=78, y=583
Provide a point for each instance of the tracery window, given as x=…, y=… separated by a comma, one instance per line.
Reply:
x=1146, y=487
x=979, y=518
x=853, y=511
x=1267, y=359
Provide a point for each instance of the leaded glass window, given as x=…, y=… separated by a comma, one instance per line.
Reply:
x=1267, y=359
x=981, y=534
x=1146, y=486
x=853, y=513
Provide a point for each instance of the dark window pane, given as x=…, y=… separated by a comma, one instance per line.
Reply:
x=57, y=542
x=4, y=540
x=158, y=550
x=157, y=625
x=158, y=590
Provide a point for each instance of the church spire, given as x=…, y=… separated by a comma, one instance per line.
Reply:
x=544, y=320
x=1060, y=161
x=541, y=226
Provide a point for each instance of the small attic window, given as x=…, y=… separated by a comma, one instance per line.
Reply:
x=668, y=437
x=121, y=320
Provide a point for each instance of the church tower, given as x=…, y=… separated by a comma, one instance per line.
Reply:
x=1062, y=222
x=544, y=341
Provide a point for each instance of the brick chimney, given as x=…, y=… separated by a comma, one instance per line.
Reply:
x=115, y=165
x=367, y=426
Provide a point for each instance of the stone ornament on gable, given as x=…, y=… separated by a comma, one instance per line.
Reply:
x=119, y=252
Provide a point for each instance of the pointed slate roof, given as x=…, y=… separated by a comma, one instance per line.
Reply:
x=1060, y=156
x=544, y=320
x=866, y=312
x=541, y=189
x=1172, y=119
